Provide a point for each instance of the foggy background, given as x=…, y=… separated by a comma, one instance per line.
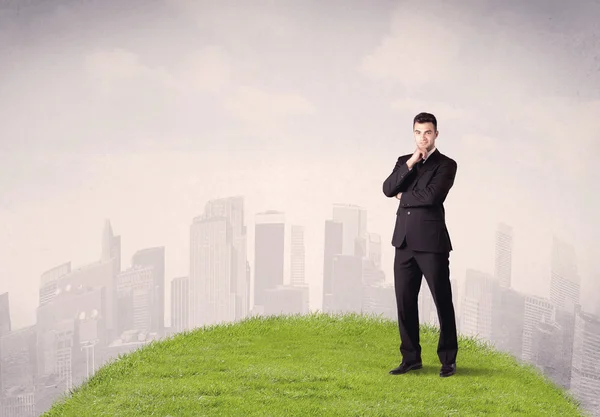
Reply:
x=137, y=118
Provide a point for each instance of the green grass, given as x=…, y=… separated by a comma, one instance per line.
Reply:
x=315, y=365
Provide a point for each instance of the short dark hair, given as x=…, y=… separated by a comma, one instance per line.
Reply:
x=425, y=118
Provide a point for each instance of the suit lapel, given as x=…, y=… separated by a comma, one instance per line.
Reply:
x=430, y=164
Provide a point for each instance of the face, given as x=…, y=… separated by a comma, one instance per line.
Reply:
x=425, y=135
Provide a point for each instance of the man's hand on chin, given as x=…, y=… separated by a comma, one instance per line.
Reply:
x=399, y=196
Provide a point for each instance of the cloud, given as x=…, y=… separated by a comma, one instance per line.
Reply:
x=461, y=51
x=246, y=21
x=206, y=70
x=417, y=51
x=505, y=91
x=551, y=135
x=122, y=75
x=444, y=111
x=560, y=133
x=265, y=110
x=483, y=145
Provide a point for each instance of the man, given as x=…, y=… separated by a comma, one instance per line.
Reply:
x=421, y=182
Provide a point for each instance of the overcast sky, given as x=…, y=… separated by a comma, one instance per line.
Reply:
x=140, y=112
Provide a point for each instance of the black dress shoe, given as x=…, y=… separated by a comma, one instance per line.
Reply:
x=405, y=367
x=448, y=370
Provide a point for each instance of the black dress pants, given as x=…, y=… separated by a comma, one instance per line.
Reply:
x=409, y=268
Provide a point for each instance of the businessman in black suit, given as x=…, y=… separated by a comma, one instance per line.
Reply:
x=421, y=182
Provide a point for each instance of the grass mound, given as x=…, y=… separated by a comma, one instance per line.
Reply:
x=313, y=365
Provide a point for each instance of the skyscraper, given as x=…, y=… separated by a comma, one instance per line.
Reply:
x=111, y=246
x=476, y=316
x=537, y=309
x=374, y=249
x=136, y=300
x=354, y=225
x=585, y=377
x=180, y=304
x=217, y=280
x=110, y=258
x=508, y=315
x=503, y=255
x=5, y=324
x=49, y=282
x=155, y=258
x=269, y=237
x=333, y=247
x=564, y=279
x=298, y=256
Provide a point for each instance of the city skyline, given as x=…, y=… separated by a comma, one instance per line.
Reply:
x=152, y=115
x=201, y=101
x=315, y=283
x=107, y=308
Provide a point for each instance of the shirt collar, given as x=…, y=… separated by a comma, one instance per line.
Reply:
x=429, y=154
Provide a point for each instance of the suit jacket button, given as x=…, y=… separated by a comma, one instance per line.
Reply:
x=408, y=212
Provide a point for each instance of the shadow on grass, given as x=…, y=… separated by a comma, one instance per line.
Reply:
x=461, y=371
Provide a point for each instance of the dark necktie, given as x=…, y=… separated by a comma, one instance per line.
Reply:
x=419, y=165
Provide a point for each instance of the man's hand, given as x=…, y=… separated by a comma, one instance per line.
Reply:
x=417, y=156
x=399, y=196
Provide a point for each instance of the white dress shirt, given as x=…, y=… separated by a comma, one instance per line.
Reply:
x=429, y=154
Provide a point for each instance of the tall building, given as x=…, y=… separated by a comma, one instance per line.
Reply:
x=96, y=275
x=111, y=246
x=537, y=309
x=478, y=295
x=248, y=284
x=298, y=256
x=545, y=347
x=375, y=292
x=49, y=282
x=110, y=261
x=269, y=242
x=503, y=258
x=18, y=363
x=585, y=377
x=374, y=249
x=5, y=327
x=345, y=235
x=380, y=299
x=564, y=279
x=154, y=258
x=347, y=294
x=75, y=320
x=354, y=226
x=371, y=275
x=565, y=321
x=508, y=315
x=218, y=285
x=332, y=247
x=552, y=346
x=5, y=323
x=136, y=300
x=180, y=304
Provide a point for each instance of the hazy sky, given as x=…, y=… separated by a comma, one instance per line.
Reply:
x=141, y=112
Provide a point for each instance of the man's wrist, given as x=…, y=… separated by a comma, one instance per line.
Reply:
x=409, y=164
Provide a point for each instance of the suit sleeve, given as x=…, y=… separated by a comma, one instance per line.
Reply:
x=393, y=184
x=436, y=191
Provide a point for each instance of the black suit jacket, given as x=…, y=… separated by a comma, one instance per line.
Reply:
x=421, y=218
